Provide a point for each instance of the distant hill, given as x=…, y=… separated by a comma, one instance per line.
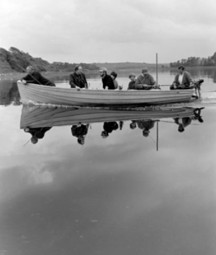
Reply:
x=196, y=61
x=15, y=60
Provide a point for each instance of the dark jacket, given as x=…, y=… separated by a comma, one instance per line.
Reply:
x=108, y=82
x=79, y=130
x=78, y=80
x=133, y=85
x=37, y=78
x=38, y=132
x=145, y=124
x=110, y=126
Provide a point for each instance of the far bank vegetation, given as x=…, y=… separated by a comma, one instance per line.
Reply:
x=15, y=60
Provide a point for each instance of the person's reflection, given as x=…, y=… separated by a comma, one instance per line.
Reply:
x=145, y=126
x=133, y=124
x=14, y=94
x=182, y=123
x=9, y=93
x=186, y=121
x=197, y=114
x=108, y=128
x=80, y=131
x=121, y=123
x=37, y=133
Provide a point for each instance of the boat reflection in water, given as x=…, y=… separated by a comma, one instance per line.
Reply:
x=37, y=120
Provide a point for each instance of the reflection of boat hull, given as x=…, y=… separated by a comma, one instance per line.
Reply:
x=88, y=97
x=41, y=116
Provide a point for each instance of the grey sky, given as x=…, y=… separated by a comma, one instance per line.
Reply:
x=109, y=30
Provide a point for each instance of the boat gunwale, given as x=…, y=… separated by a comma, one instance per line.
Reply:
x=111, y=92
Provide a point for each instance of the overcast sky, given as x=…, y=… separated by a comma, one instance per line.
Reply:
x=109, y=30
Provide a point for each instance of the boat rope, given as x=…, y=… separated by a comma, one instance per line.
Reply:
x=26, y=142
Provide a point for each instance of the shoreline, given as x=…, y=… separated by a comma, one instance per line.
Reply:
x=121, y=70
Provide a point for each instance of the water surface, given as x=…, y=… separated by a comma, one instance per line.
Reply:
x=118, y=195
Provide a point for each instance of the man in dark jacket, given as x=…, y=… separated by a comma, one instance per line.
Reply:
x=80, y=131
x=37, y=133
x=35, y=77
x=108, y=128
x=132, y=84
x=106, y=79
x=78, y=79
x=145, y=79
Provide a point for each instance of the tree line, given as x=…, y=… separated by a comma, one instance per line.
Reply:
x=15, y=60
x=196, y=61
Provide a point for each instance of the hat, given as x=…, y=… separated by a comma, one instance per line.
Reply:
x=114, y=74
x=144, y=70
x=103, y=69
x=146, y=132
x=81, y=140
x=132, y=75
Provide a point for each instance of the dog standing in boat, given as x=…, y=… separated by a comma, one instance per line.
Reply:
x=197, y=87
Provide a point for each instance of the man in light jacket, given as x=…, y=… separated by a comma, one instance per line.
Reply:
x=182, y=80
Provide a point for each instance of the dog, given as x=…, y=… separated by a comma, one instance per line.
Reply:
x=197, y=87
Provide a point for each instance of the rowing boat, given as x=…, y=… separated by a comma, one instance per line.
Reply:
x=98, y=97
x=43, y=116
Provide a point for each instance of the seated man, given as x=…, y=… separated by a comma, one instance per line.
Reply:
x=182, y=80
x=182, y=123
x=80, y=131
x=106, y=79
x=37, y=133
x=108, y=128
x=132, y=84
x=35, y=77
x=146, y=80
x=145, y=125
x=78, y=79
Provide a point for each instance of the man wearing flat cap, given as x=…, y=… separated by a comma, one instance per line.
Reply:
x=145, y=79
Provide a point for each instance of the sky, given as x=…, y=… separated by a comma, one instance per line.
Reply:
x=92, y=31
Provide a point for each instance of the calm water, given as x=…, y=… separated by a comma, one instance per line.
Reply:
x=114, y=195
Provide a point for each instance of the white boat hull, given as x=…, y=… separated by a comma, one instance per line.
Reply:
x=87, y=97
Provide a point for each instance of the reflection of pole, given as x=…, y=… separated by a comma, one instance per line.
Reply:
x=157, y=142
x=156, y=69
